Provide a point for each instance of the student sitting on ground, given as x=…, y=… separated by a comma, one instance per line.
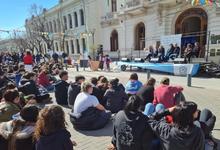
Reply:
x=61, y=89
x=10, y=105
x=50, y=132
x=133, y=85
x=146, y=93
x=74, y=90
x=88, y=113
x=115, y=98
x=43, y=80
x=182, y=134
x=102, y=86
x=28, y=87
x=167, y=95
x=18, y=134
x=131, y=130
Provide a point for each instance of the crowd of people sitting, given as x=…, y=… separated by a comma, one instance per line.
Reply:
x=174, y=51
x=144, y=117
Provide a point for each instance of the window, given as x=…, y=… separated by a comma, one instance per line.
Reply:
x=84, y=44
x=77, y=45
x=51, y=27
x=54, y=26
x=67, y=47
x=72, y=46
x=65, y=22
x=82, y=17
x=114, y=5
x=57, y=48
x=114, y=40
x=47, y=27
x=58, y=25
x=76, y=19
x=70, y=21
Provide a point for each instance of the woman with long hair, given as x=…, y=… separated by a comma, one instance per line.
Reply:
x=50, y=132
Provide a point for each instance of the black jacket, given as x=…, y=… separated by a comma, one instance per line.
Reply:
x=59, y=140
x=146, y=94
x=61, y=90
x=174, y=138
x=28, y=87
x=73, y=91
x=131, y=132
x=115, y=100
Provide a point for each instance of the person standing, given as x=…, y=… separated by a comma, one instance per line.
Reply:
x=28, y=61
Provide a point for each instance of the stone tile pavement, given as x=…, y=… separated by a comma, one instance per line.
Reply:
x=205, y=92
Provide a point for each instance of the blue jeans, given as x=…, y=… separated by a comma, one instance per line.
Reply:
x=150, y=109
x=50, y=88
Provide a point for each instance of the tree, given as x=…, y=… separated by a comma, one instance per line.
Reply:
x=36, y=28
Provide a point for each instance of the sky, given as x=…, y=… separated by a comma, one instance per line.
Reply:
x=14, y=12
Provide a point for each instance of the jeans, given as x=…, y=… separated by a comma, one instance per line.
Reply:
x=50, y=88
x=150, y=108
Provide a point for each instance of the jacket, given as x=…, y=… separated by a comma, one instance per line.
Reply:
x=164, y=94
x=174, y=138
x=7, y=109
x=28, y=60
x=23, y=137
x=28, y=87
x=115, y=100
x=132, y=87
x=43, y=79
x=146, y=94
x=61, y=89
x=131, y=131
x=73, y=90
x=60, y=140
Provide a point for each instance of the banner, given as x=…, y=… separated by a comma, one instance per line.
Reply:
x=182, y=69
x=170, y=39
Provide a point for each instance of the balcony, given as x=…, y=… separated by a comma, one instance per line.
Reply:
x=135, y=7
x=110, y=18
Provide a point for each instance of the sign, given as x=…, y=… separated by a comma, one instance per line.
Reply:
x=170, y=39
x=182, y=69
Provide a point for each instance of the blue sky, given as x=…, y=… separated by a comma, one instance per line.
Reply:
x=14, y=12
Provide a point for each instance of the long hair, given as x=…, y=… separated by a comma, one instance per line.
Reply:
x=133, y=104
x=50, y=120
x=183, y=114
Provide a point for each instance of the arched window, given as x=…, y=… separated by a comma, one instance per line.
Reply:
x=114, y=5
x=51, y=26
x=76, y=19
x=114, y=40
x=140, y=36
x=72, y=47
x=70, y=21
x=77, y=46
x=82, y=17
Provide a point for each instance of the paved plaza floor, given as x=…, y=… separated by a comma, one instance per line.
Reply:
x=204, y=91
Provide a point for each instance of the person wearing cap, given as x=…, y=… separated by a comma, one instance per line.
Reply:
x=17, y=133
x=114, y=98
x=165, y=94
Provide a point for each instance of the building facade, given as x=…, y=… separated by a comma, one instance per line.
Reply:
x=131, y=25
x=125, y=27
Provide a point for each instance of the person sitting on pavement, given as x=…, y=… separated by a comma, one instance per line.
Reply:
x=88, y=113
x=51, y=132
x=146, y=93
x=102, y=86
x=133, y=85
x=10, y=105
x=183, y=134
x=131, y=130
x=17, y=134
x=167, y=95
x=74, y=90
x=61, y=89
x=43, y=80
x=29, y=87
x=115, y=98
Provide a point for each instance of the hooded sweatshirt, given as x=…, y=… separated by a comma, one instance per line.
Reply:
x=59, y=140
x=132, y=87
x=174, y=138
x=131, y=131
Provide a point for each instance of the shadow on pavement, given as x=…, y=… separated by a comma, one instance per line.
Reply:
x=106, y=131
x=218, y=141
